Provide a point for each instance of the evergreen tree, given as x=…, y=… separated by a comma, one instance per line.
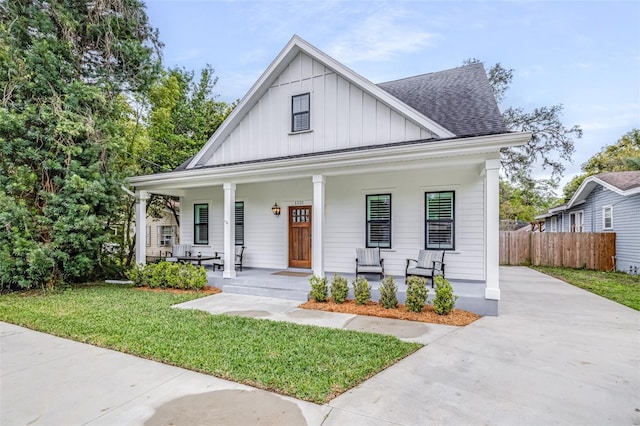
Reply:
x=66, y=70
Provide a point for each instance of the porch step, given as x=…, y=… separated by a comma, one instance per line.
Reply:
x=256, y=290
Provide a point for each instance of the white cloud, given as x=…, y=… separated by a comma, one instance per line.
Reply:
x=381, y=36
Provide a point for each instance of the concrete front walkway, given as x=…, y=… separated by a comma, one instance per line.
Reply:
x=555, y=355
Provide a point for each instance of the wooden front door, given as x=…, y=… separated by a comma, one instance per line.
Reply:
x=300, y=237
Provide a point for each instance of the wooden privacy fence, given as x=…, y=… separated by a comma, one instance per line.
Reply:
x=569, y=249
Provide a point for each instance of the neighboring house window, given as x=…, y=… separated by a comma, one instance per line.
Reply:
x=379, y=220
x=165, y=235
x=300, y=114
x=553, y=224
x=576, y=222
x=239, y=223
x=439, y=217
x=607, y=217
x=148, y=236
x=201, y=224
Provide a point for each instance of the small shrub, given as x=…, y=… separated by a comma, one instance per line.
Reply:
x=361, y=290
x=445, y=300
x=319, y=291
x=388, y=293
x=169, y=275
x=339, y=289
x=138, y=274
x=417, y=293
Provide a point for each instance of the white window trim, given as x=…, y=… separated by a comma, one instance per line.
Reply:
x=456, y=214
x=553, y=224
x=363, y=214
x=604, y=209
x=310, y=129
x=581, y=225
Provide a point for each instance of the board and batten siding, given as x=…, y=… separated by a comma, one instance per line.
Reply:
x=342, y=116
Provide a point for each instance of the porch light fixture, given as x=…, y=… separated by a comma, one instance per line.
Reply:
x=275, y=210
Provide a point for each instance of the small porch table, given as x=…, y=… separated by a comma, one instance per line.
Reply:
x=199, y=259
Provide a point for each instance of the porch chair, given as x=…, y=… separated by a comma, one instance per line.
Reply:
x=218, y=262
x=430, y=264
x=368, y=261
x=178, y=250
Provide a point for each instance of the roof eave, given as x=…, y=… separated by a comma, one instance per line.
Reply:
x=432, y=149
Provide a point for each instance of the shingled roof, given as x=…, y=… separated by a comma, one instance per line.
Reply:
x=624, y=181
x=460, y=99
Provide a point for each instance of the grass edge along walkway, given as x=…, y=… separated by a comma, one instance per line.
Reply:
x=307, y=362
x=616, y=286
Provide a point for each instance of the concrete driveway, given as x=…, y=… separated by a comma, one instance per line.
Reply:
x=555, y=355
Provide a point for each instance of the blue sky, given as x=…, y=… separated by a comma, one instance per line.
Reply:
x=584, y=55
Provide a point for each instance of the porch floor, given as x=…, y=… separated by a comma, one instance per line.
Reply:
x=263, y=282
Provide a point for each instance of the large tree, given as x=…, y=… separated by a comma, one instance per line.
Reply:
x=551, y=142
x=621, y=156
x=66, y=69
x=183, y=114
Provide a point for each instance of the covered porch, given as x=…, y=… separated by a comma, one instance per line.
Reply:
x=293, y=284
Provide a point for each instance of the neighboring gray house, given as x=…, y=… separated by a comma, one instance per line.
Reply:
x=608, y=202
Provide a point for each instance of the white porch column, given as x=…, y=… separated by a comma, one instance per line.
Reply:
x=141, y=226
x=229, y=230
x=317, y=231
x=492, y=229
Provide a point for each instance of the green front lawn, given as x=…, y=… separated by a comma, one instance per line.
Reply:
x=617, y=286
x=310, y=363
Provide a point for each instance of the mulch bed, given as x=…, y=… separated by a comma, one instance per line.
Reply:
x=206, y=290
x=458, y=317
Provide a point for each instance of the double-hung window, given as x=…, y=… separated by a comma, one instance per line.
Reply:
x=165, y=235
x=201, y=224
x=439, y=220
x=379, y=220
x=239, y=223
x=607, y=217
x=576, y=221
x=300, y=113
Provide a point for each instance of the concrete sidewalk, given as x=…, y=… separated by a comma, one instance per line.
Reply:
x=555, y=355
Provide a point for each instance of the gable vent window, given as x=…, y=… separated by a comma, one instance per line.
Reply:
x=239, y=223
x=379, y=220
x=439, y=229
x=300, y=114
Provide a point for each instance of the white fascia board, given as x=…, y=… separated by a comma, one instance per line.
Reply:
x=277, y=66
x=589, y=184
x=344, y=161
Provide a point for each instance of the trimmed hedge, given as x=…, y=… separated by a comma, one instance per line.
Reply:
x=169, y=275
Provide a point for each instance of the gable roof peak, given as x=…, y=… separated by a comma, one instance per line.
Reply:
x=296, y=45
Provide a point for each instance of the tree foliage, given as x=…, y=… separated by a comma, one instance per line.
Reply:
x=621, y=156
x=524, y=201
x=551, y=142
x=65, y=69
x=183, y=114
